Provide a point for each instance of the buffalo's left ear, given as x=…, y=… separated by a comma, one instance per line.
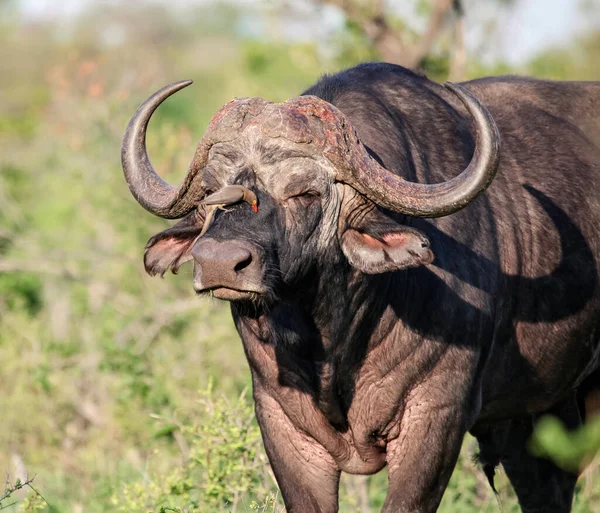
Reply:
x=394, y=250
x=173, y=247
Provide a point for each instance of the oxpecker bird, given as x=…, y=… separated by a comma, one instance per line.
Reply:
x=228, y=195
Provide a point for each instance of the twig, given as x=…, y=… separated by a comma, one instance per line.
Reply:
x=9, y=489
x=37, y=492
x=459, y=58
x=434, y=26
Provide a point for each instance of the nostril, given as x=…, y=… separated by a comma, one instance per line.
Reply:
x=242, y=264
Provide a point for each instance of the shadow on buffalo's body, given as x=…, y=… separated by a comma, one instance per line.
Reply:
x=384, y=317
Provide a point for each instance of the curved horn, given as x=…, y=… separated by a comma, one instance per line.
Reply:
x=149, y=189
x=432, y=200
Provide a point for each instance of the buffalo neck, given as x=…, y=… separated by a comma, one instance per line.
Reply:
x=320, y=337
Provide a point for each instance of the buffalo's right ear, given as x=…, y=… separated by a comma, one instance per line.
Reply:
x=173, y=247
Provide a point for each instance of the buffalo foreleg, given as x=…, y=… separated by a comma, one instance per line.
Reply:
x=422, y=458
x=306, y=474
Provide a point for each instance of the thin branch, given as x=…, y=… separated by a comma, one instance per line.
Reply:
x=434, y=27
x=37, y=492
x=10, y=489
x=458, y=65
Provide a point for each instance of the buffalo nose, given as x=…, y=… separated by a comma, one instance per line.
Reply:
x=229, y=264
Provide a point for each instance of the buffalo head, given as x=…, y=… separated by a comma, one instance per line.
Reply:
x=277, y=190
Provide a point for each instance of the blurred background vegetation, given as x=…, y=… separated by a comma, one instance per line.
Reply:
x=126, y=394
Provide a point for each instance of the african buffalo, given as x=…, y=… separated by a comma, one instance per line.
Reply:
x=385, y=305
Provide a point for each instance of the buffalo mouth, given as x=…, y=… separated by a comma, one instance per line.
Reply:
x=228, y=294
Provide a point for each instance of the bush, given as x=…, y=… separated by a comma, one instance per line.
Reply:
x=224, y=466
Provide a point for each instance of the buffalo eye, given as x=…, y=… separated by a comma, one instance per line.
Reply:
x=305, y=199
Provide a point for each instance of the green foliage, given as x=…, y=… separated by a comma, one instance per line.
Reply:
x=565, y=64
x=576, y=451
x=33, y=502
x=572, y=450
x=226, y=450
x=264, y=63
x=436, y=66
x=225, y=468
x=22, y=291
x=353, y=47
